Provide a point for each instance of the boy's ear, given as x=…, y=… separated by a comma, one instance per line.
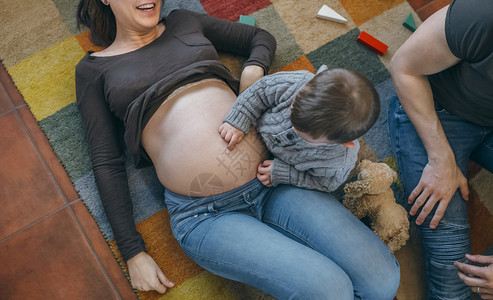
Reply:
x=349, y=144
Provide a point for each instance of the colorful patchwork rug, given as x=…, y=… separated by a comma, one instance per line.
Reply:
x=41, y=44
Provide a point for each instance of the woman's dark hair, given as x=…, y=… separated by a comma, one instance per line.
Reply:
x=339, y=104
x=100, y=20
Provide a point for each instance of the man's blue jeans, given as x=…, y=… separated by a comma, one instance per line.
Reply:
x=289, y=242
x=450, y=241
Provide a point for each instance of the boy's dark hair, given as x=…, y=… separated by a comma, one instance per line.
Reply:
x=100, y=20
x=339, y=104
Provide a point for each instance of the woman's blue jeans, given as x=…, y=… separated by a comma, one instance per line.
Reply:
x=450, y=241
x=289, y=242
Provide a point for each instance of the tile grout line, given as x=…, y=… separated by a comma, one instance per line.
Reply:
x=100, y=263
x=33, y=223
x=67, y=203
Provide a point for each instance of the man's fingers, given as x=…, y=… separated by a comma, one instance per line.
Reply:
x=464, y=189
x=481, y=259
x=473, y=275
x=440, y=211
x=419, y=202
x=415, y=193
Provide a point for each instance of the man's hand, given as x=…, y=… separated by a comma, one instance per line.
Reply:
x=438, y=183
x=146, y=275
x=263, y=172
x=230, y=135
x=480, y=277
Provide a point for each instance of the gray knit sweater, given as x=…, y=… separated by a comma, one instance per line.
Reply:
x=266, y=105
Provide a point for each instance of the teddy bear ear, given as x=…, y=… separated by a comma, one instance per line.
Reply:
x=394, y=175
x=364, y=163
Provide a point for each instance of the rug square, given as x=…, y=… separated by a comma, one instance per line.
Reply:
x=363, y=10
x=301, y=63
x=68, y=12
x=68, y=141
x=204, y=285
x=165, y=250
x=86, y=43
x=378, y=136
x=170, y=5
x=36, y=24
x=232, y=9
x=387, y=28
x=287, y=49
x=346, y=52
x=309, y=31
x=52, y=86
x=233, y=62
x=88, y=192
x=146, y=192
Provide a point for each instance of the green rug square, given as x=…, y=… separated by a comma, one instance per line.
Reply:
x=287, y=48
x=346, y=52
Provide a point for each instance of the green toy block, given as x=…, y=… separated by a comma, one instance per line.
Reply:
x=247, y=20
x=409, y=23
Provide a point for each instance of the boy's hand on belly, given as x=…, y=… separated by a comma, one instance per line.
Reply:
x=263, y=172
x=230, y=135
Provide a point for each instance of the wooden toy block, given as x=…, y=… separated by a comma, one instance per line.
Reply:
x=328, y=13
x=372, y=43
x=409, y=23
x=247, y=20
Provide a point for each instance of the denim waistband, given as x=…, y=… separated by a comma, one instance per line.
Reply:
x=178, y=203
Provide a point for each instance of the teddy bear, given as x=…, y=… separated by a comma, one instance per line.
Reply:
x=370, y=195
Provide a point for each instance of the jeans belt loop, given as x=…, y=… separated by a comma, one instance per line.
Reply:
x=210, y=208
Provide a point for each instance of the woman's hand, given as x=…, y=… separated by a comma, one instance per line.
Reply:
x=146, y=275
x=438, y=183
x=263, y=172
x=249, y=75
x=479, y=278
x=230, y=135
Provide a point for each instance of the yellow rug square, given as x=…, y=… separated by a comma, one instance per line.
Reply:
x=47, y=79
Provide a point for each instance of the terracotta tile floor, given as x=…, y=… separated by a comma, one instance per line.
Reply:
x=50, y=247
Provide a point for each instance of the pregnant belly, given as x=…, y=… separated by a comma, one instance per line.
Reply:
x=188, y=153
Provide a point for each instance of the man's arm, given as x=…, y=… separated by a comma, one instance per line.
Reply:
x=426, y=52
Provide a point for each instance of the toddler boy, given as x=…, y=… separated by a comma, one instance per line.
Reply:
x=309, y=122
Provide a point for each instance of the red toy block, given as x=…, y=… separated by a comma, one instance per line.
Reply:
x=372, y=43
